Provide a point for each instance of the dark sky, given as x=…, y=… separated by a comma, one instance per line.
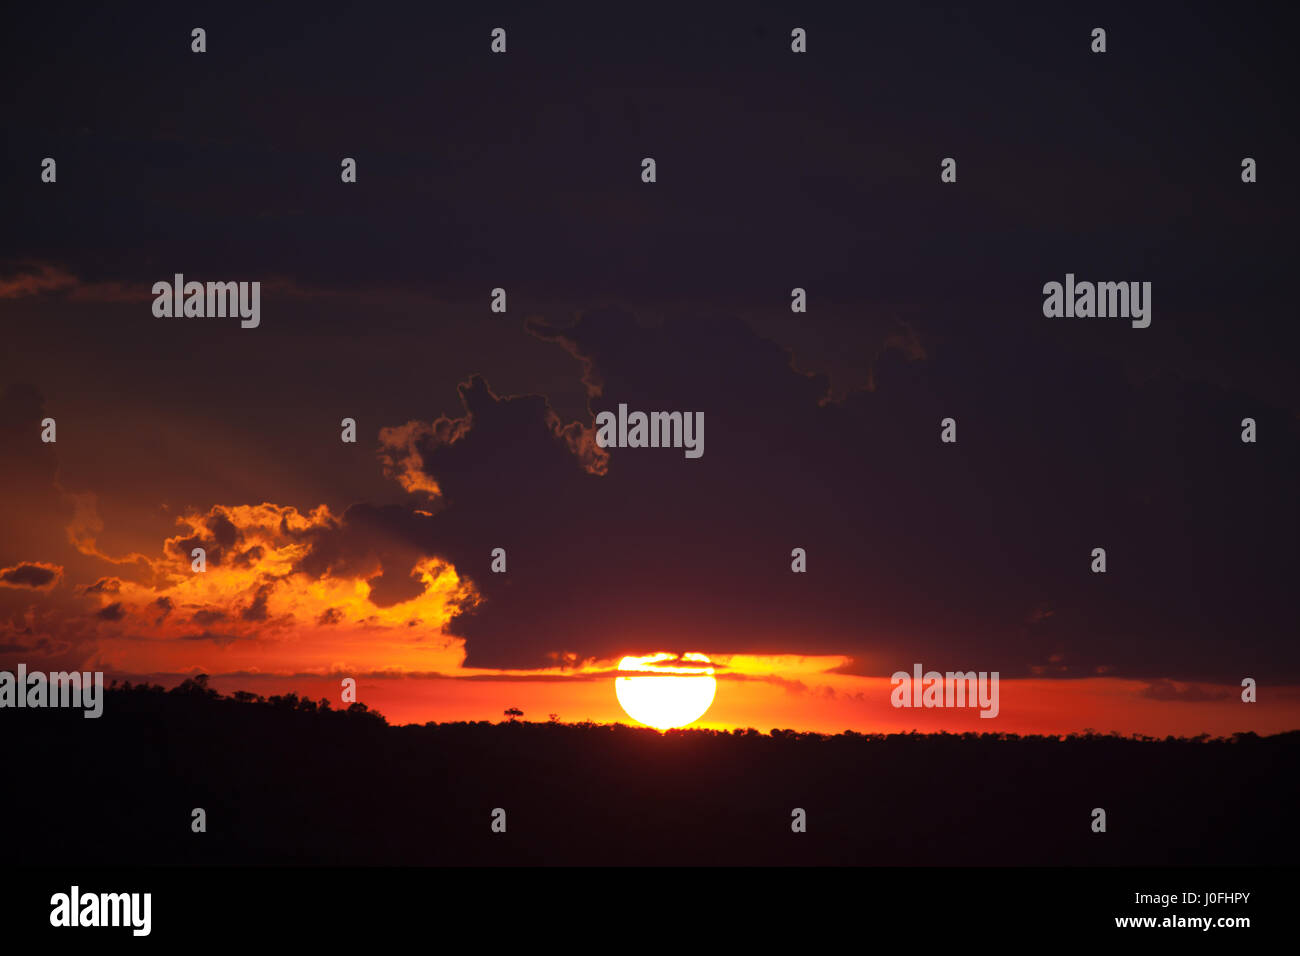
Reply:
x=775, y=170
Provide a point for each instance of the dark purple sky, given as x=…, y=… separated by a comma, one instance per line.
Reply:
x=774, y=171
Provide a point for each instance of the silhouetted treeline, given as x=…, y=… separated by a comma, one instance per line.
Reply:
x=290, y=780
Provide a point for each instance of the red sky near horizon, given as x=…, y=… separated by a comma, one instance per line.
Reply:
x=254, y=623
x=819, y=703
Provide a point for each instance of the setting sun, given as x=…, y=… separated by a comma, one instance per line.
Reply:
x=665, y=690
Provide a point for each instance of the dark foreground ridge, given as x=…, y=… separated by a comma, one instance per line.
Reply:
x=287, y=780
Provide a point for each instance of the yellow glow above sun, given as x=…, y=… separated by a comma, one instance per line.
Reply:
x=666, y=690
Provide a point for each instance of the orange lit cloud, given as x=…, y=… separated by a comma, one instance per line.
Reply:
x=257, y=608
x=400, y=451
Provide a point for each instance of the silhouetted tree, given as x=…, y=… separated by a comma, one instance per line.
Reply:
x=513, y=712
x=196, y=686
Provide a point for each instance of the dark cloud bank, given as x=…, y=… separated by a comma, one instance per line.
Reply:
x=973, y=555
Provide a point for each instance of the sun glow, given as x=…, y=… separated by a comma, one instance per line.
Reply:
x=666, y=690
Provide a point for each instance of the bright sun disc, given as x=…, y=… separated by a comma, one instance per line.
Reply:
x=665, y=690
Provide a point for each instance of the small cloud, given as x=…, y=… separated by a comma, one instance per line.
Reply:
x=163, y=604
x=31, y=574
x=113, y=612
x=257, y=610
x=36, y=280
x=48, y=279
x=1165, y=689
x=1039, y=613
x=221, y=640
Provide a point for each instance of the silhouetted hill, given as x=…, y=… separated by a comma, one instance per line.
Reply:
x=285, y=781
